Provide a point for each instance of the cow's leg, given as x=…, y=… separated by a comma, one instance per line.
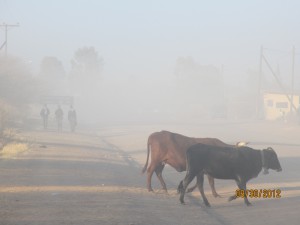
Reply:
x=200, y=180
x=184, y=184
x=211, y=181
x=191, y=189
x=158, y=171
x=150, y=172
x=243, y=187
x=233, y=197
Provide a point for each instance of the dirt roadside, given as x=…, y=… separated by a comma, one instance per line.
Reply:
x=94, y=178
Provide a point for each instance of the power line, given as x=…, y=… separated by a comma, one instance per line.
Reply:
x=282, y=51
x=6, y=26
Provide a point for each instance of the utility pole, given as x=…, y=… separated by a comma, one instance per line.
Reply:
x=258, y=106
x=293, y=73
x=6, y=26
x=279, y=83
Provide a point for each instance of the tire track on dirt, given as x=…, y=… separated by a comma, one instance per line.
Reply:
x=125, y=156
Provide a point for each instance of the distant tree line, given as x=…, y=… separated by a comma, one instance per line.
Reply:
x=85, y=71
x=19, y=87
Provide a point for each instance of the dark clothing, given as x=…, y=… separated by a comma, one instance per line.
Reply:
x=59, y=114
x=72, y=119
x=44, y=114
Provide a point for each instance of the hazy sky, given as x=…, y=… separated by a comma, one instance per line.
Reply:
x=138, y=37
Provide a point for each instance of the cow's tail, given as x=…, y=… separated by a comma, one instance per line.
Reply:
x=148, y=152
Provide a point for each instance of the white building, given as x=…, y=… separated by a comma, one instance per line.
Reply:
x=277, y=105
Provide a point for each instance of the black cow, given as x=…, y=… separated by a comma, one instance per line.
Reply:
x=239, y=164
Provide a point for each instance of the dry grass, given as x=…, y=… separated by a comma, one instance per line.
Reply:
x=12, y=149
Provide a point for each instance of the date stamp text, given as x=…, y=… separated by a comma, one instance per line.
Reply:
x=258, y=193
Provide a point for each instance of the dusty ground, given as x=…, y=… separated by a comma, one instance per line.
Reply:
x=93, y=177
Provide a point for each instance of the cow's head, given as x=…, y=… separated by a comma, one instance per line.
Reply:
x=271, y=160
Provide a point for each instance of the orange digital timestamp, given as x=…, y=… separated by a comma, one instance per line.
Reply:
x=258, y=193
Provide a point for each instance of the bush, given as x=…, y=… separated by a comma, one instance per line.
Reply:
x=18, y=88
x=13, y=149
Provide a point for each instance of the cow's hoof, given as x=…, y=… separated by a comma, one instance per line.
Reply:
x=207, y=204
x=150, y=190
x=248, y=204
x=181, y=201
x=231, y=198
x=217, y=196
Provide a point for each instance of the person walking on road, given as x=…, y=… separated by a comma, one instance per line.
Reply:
x=72, y=118
x=44, y=114
x=59, y=114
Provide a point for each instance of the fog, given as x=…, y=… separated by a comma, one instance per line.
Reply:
x=169, y=61
x=223, y=69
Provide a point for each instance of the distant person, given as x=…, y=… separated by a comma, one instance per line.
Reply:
x=45, y=114
x=59, y=114
x=72, y=118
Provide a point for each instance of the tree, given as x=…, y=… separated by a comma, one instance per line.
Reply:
x=198, y=81
x=86, y=70
x=85, y=77
x=86, y=63
x=54, y=75
x=185, y=67
x=18, y=88
x=52, y=68
x=17, y=85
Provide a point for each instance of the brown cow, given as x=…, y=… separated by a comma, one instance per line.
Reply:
x=170, y=148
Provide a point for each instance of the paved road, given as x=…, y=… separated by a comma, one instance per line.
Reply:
x=89, y=179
